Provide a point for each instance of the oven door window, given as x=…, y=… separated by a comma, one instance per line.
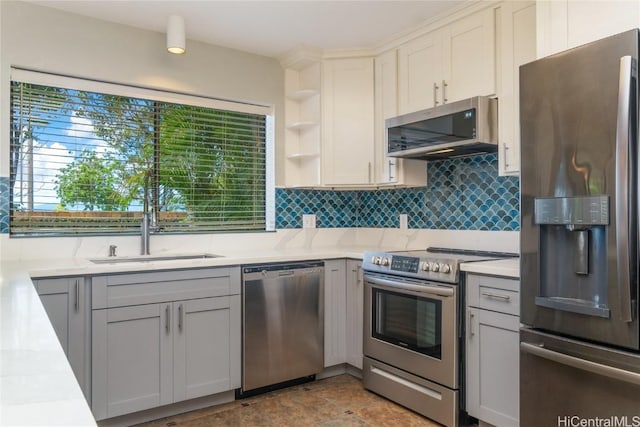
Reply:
x=408, y=321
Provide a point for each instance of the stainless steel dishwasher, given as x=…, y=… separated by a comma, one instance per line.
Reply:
x=283, y=324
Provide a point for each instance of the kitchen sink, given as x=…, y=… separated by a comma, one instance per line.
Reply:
x=151, y=258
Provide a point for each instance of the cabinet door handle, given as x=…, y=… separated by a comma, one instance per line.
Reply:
x=504, y=154
x=471, y=333
x=180, y=317
x=77, y=301
x=167, y=318
x=444, y=91
x=357, y=274
x=435, y=94
x=390, y=175
x=369, y=172
x=490, y=295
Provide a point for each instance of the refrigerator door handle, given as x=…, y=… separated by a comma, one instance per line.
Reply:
x=582, y=364
x=627, y=71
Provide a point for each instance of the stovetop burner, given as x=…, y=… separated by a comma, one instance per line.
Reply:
x=439, y=264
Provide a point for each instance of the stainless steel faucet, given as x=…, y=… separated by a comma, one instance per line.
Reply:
x=147, y=226
x=149, y=222
x=112, y=250
x=144, y=234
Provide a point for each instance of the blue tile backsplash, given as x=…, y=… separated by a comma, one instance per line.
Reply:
x=332, y=208
x=461, y=194
x=4, y=204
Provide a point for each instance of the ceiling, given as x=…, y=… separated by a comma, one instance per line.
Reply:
x=270, y=28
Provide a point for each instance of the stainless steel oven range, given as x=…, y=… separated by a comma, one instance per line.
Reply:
x=413, y=329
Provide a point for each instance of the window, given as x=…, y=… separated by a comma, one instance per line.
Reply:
x=90, y=158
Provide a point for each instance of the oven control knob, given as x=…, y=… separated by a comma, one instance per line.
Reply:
x=425, y=266
x=435, y=267
x=445, y=268
x=376, y=260
x=385, y=261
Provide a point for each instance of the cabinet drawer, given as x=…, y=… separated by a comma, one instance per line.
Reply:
x=120, y=290
x=493, y=293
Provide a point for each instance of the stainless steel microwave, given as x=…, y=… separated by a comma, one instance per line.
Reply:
x=460, y=128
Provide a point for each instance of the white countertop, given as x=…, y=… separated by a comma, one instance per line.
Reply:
x=83, y=266
x=509, y=267
x=37, y=385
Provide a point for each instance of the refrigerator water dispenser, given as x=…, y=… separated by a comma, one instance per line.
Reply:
x=573, y=234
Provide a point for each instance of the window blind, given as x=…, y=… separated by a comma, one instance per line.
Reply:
x=87, y=162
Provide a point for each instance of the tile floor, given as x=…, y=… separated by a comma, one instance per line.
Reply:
x=332, y=402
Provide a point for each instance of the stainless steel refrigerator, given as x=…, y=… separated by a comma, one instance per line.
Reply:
x=580, y=339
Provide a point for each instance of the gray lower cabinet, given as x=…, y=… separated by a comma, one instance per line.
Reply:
x=355, y=307
x=343, y=319
x=148, y=355
x=207, y=333
x=132, y=359
x=492, y=350
x=335, y=340
x=67, y=304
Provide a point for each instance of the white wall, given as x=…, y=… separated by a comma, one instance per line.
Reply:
x=46, y=39
x=49, y=40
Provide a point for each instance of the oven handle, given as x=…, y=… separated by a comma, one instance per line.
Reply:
x=424, y=289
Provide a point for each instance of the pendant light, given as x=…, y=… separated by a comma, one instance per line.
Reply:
x=175, y=35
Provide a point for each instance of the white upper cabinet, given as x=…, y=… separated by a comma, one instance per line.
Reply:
x=386, y=105
x=563, y=24
x=420, y=73
x=347, y=122
x=469, y=57
x=336, y=103
x=449, y=64
x=518, y=46
x=391, y=170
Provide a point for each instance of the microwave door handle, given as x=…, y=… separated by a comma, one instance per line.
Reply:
x=628, y=71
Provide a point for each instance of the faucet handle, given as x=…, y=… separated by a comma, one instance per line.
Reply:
x=112, y=250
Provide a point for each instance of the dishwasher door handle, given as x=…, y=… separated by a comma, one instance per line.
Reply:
x=286, y=273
